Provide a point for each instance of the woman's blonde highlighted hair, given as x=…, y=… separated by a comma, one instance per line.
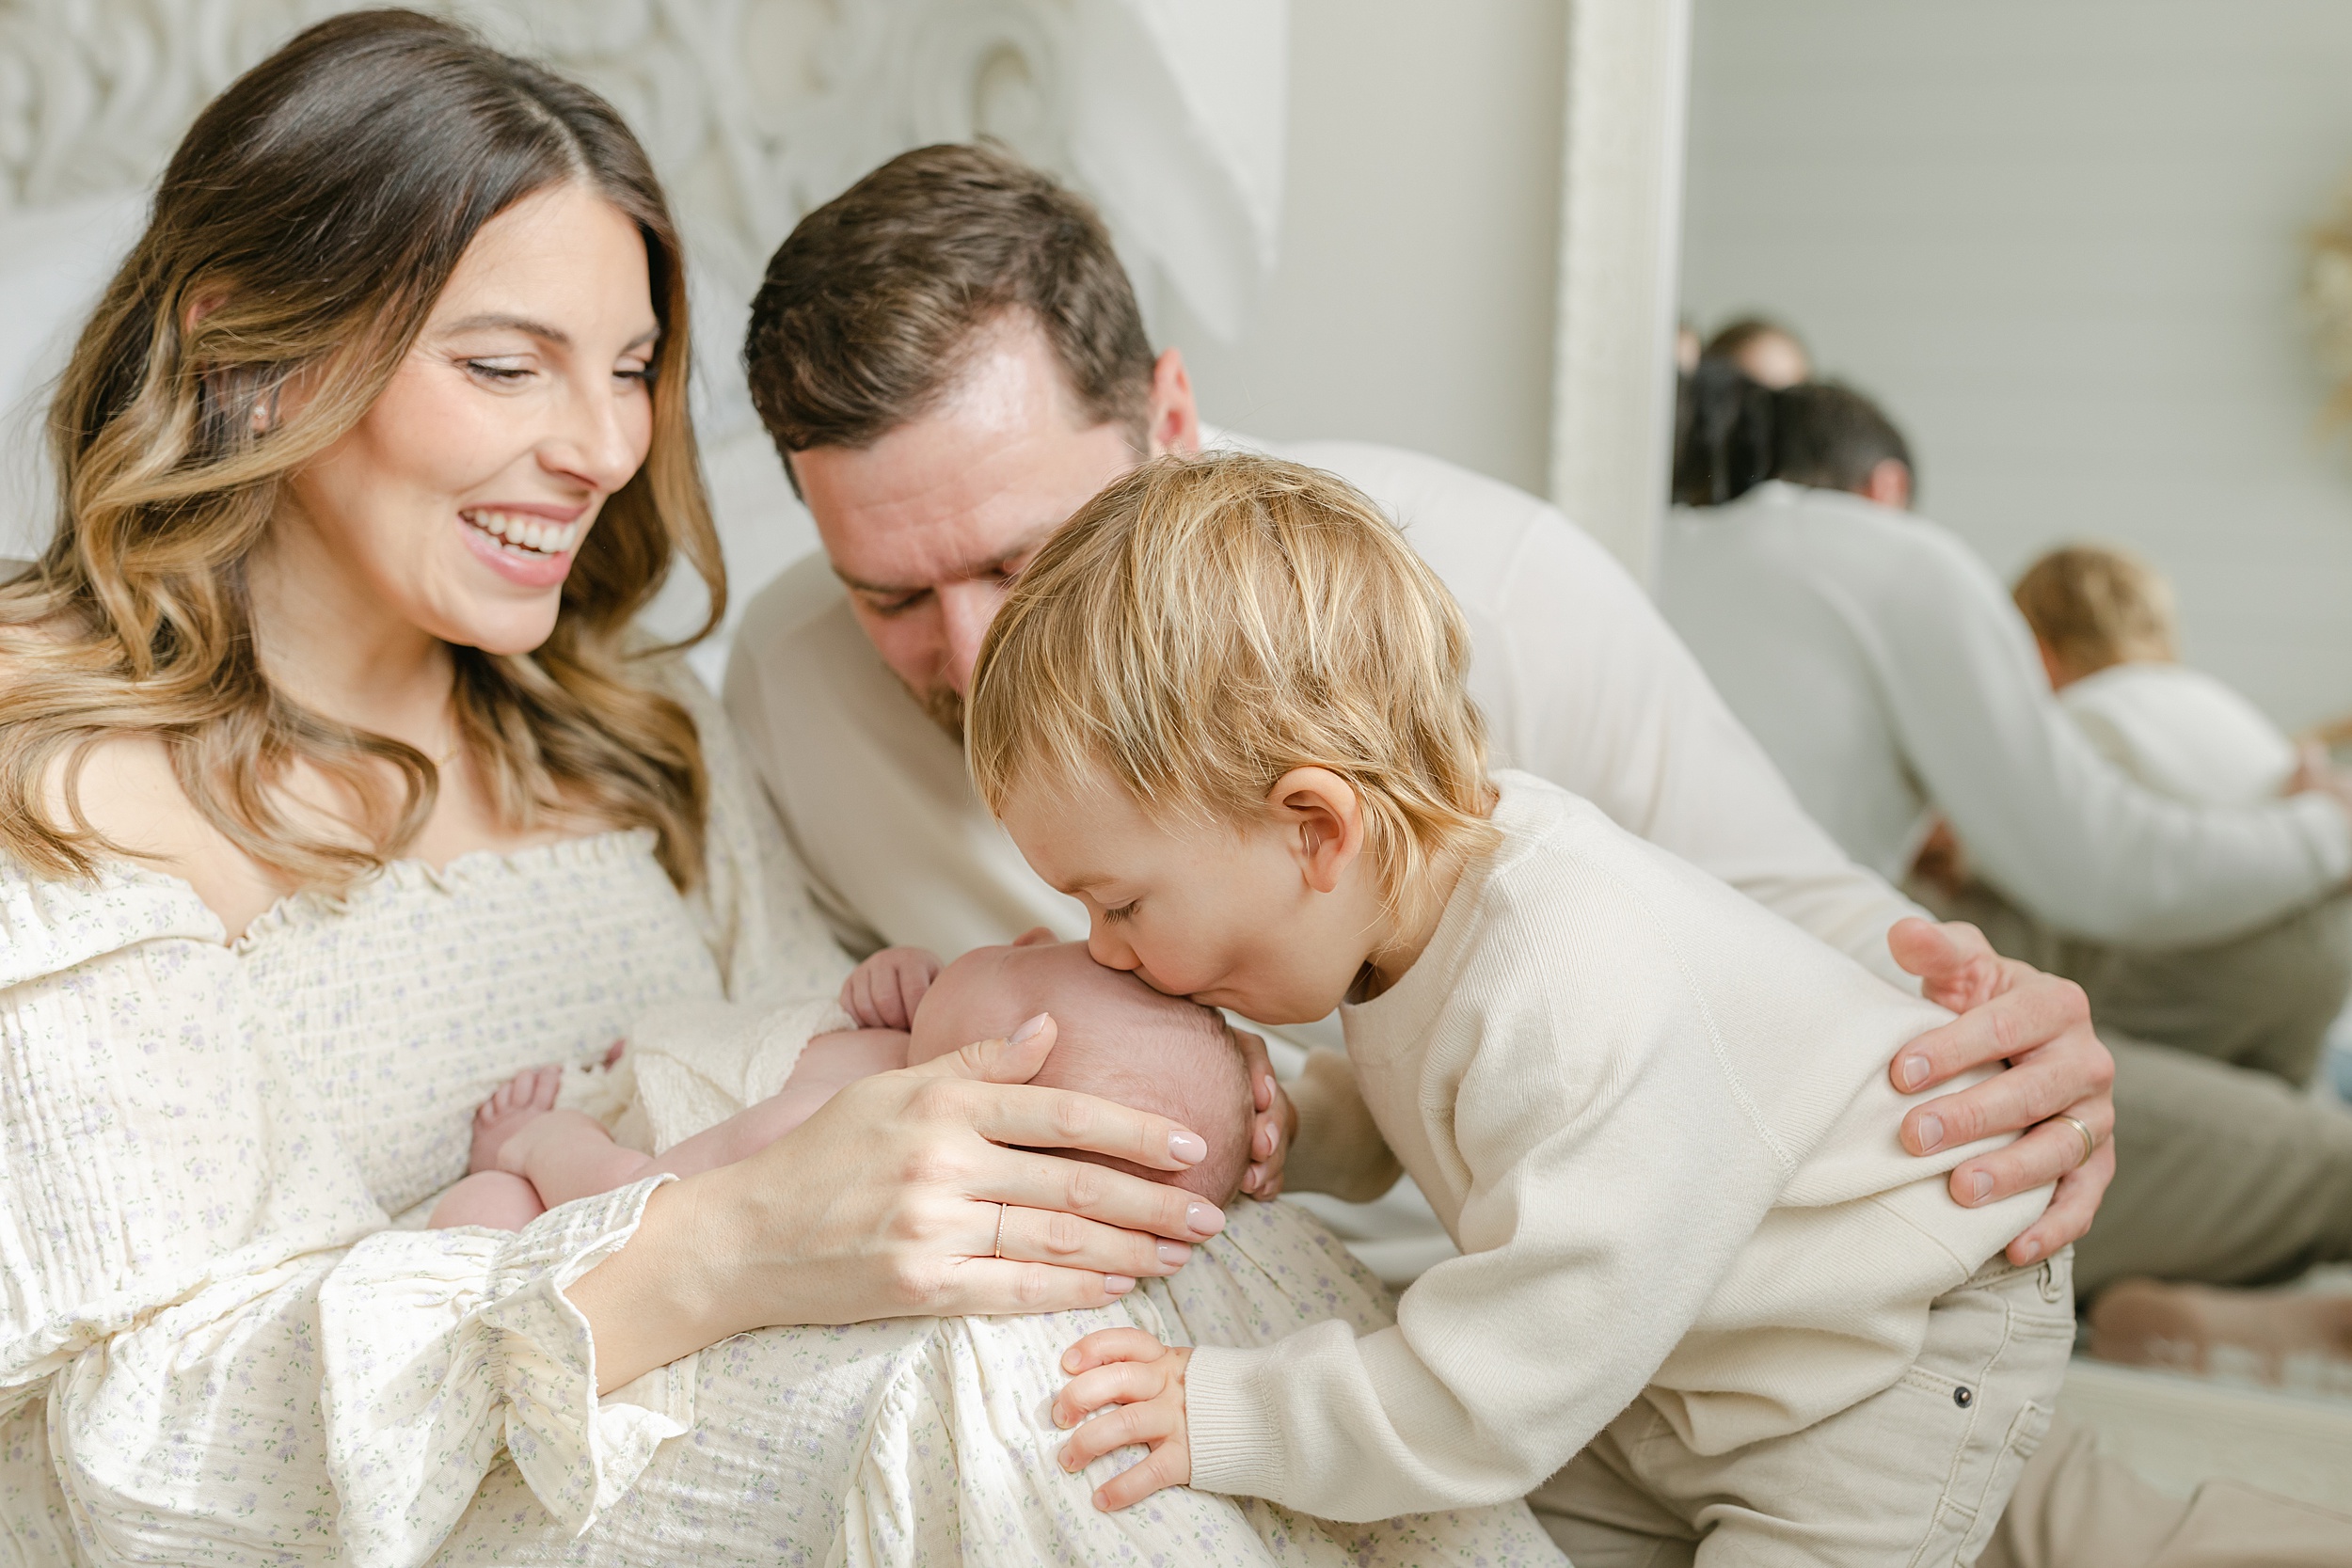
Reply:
x=1206, y=625
x=304, y=228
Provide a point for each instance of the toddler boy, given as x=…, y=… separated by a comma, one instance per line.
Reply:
x=2102, y=619
x=1702, y=1289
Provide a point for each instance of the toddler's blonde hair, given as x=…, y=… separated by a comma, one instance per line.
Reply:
x=1206, y=625
x=2095, y=605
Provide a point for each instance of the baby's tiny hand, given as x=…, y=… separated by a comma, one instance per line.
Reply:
x=883, y=992
x=1127, y=1368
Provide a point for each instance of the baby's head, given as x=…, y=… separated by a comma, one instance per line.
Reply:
x=1225, y=708
x=1115, y=1038
x=2091, y=606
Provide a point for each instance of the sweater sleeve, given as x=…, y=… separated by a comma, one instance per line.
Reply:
x=2048, y=820
x=1591, y=1240
x=1597, y=694
x=237, y=1357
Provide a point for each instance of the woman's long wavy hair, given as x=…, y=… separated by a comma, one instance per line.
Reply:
x=304, y=228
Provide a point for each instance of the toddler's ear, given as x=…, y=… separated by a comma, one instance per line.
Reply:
x=1036, y=936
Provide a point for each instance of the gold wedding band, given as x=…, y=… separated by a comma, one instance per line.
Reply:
x=1000, y=1219
x=2090, y=1145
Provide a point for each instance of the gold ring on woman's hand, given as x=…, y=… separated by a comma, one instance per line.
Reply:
x=2090, y=1145
x=1000, y=1218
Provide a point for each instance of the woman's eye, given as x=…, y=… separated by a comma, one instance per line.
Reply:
x=503, y=373
x=642, y=374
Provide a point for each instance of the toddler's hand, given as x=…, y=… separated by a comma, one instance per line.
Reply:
x=883, y=992
x=1127, y=1368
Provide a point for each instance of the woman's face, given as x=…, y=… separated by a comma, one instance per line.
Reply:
x=457, y=504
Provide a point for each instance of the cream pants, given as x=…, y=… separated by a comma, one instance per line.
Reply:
x=1916, y=1475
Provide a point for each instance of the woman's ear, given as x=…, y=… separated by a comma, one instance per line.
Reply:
x=1325, y=821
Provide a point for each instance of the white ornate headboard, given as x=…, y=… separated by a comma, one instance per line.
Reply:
x=1170, y=113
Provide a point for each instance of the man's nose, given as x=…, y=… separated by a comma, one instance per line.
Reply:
x=966, y=610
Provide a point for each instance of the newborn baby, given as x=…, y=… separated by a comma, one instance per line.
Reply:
x=1116, y=1038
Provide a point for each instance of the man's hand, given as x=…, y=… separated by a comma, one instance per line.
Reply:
x=1145, y=1379
x=883, y=992
x=1272, y=1125
x=2039, y=1026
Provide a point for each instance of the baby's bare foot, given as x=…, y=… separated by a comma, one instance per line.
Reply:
x=519, y=1102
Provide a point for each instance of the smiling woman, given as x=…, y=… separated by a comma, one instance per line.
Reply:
x=334, y=791
x=344, y=436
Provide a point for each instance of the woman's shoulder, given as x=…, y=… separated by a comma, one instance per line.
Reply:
x=49, y=925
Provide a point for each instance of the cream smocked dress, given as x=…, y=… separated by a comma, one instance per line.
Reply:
x=217, y=1345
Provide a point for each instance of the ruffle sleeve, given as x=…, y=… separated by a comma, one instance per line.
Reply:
x=239, y=1360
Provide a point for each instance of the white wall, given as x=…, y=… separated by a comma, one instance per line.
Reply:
x=1414, y=299
x=2061, y=240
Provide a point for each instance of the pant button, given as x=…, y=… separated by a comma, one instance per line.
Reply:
x=1963, y=1397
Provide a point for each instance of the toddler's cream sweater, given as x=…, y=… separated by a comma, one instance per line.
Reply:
x=1656, y=1118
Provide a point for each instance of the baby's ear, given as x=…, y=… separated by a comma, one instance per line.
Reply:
x=1036, y=936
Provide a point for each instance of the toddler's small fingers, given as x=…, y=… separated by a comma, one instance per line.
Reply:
x=1119, y=1382
x=1109, y=1344
x=1165, y=1465
x=1114, y=1430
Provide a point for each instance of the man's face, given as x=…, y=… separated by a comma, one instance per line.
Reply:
x=930, y=525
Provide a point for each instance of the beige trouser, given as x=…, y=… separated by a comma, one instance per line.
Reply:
x=2225, y=1172
x=1916, y=1475
x=2076, y=1508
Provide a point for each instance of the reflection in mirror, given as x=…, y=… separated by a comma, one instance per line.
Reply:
x=2075, y=276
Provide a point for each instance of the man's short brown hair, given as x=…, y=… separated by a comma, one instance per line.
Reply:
x=871, y=302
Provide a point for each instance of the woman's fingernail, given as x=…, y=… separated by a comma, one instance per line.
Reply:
x=1191, y=1148
x=1979, y=1187
x=1027, y=1032
x=1914, y=1071
x=2028, y=1251
x=1930, y=1133
x=1204, y=1218
x=1175, y=1254
x=1118, y=1284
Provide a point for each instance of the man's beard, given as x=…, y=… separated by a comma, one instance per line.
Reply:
x=942, y=705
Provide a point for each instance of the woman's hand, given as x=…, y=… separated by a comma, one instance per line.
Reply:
x=1274, y=1125
x=894, y=1200
x=1145, y=1379
x=2039, y=1026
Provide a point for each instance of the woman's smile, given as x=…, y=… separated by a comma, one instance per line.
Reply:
x=530, y=545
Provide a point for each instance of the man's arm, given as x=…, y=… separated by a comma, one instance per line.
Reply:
x=2049, y=821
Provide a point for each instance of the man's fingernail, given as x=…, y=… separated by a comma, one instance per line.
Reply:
x=1979, y=1187
x=1204, y=1218
x=1118, y=1284
x=1027, y=1032
x=1191, y=1148
x=1930, y=1133
x=1175, y=1254
x=1914, y=1071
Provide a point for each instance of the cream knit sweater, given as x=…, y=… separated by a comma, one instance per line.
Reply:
x=1657, y=1120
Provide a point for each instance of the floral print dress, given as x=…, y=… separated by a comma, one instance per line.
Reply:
x=217, y=1344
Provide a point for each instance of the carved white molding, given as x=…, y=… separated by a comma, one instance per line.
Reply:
x=1621, y=216
x=1168, y=113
